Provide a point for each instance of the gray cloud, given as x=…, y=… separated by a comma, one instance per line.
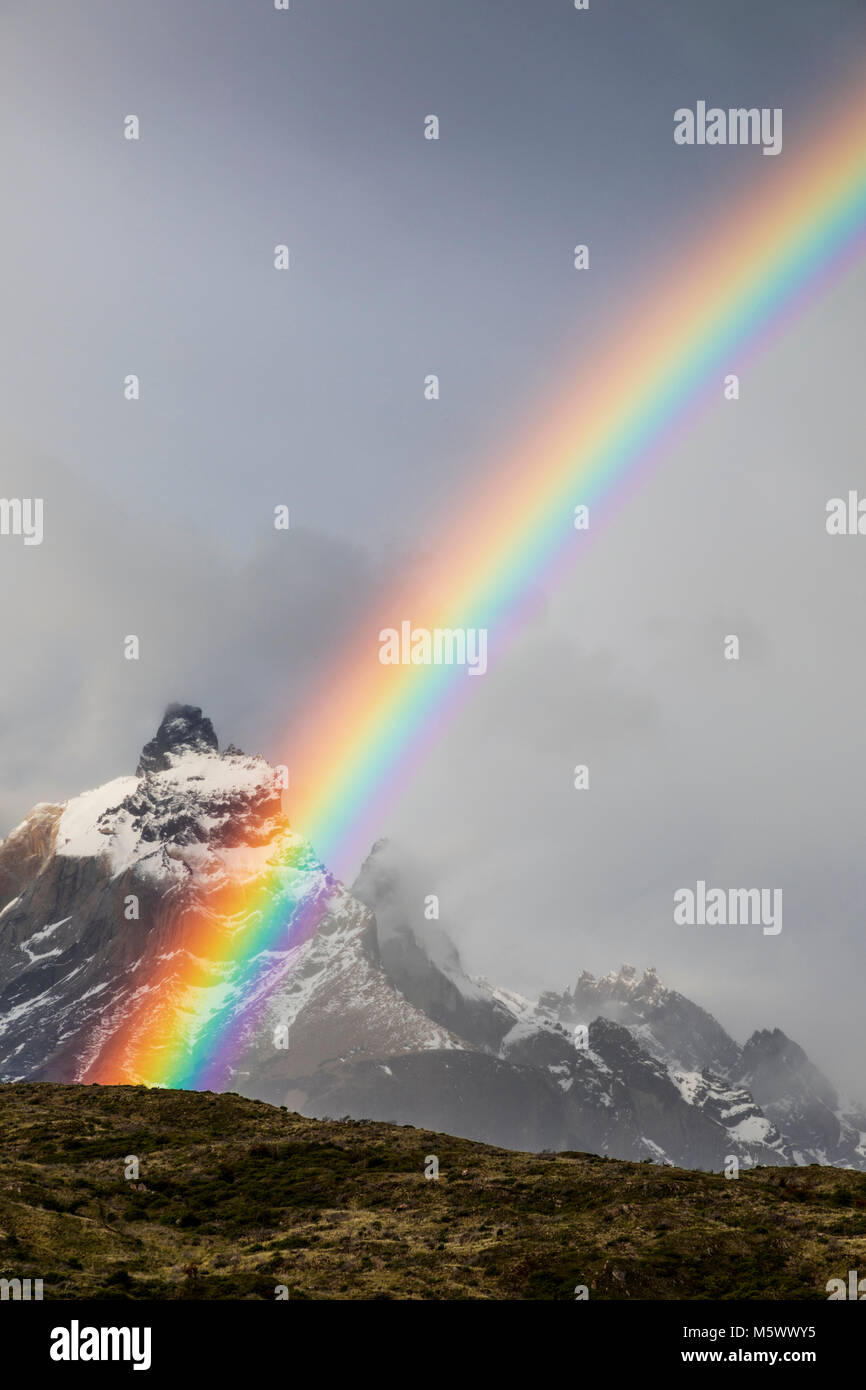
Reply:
x=455, y=258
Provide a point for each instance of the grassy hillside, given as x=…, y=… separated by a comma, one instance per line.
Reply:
x=236, y=1197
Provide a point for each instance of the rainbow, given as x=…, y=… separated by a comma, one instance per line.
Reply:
x=800, y=224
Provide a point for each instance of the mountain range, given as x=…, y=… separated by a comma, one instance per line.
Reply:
x=106, y=898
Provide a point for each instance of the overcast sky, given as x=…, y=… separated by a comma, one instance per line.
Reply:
x=408, y=257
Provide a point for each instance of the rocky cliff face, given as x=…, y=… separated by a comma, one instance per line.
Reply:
x=801, y=1101
x=426, y=968
x=120, y=909
x=658, y=1078
x=671, y=1026
x=123, y=915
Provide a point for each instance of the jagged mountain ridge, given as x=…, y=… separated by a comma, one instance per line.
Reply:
x=190, y=827
x=770, y=1071
x=369, y=1014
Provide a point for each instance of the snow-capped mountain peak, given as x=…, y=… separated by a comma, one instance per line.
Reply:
x=119, y=911
x=105, y=895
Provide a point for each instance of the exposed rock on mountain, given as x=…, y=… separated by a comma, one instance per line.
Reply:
x=672, y=1027
x=107, y=899
x=425, y=965
x=131, y=937
x=801, y=1102
x=183, y=730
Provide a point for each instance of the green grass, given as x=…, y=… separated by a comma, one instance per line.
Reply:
x=236, y=1197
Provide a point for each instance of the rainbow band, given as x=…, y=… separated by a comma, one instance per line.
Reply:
x=780, y=244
